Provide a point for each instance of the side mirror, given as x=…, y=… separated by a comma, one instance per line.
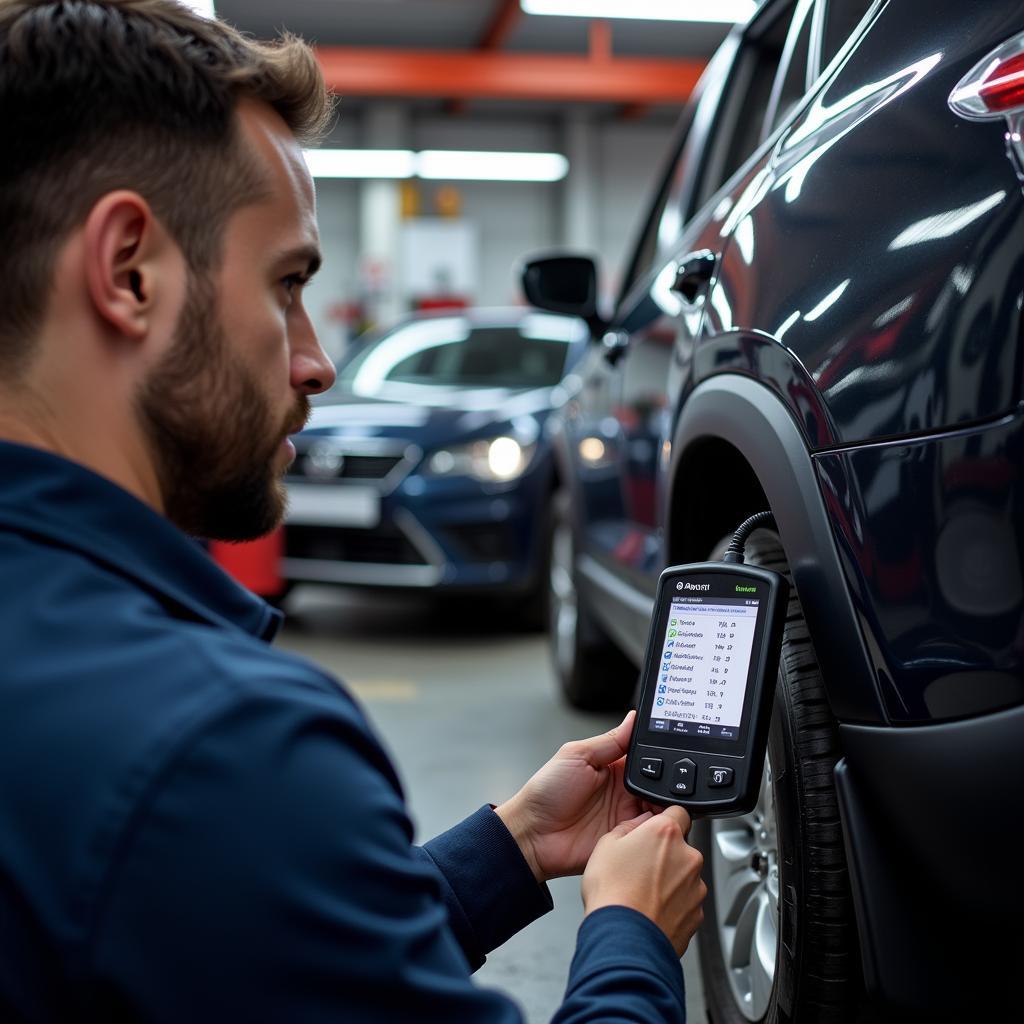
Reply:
x=563, y=284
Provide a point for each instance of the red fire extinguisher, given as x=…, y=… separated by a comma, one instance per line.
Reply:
x=256, y=564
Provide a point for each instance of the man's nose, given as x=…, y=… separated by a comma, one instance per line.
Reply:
x=312, y=370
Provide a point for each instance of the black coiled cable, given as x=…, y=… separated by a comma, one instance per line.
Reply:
x=734, y=553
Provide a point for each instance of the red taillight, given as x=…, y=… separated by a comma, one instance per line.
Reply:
x=994, y=87
x=1003, y=88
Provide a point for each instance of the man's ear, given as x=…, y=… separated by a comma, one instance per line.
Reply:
x=124, y=250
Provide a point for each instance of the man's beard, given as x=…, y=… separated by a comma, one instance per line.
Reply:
x=211, y=432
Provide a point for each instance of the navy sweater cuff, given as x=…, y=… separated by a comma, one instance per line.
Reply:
x=493, y=893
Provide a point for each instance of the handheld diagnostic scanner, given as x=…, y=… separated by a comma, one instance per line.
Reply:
x=708, y=684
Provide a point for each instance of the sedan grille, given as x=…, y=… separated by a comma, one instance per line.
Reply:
x=368, y=467
x=383, y=545
x=330, y=461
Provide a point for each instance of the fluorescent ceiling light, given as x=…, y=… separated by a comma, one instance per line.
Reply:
x=725, y=11
x=446, y=165
x=203, y=7
x=467, y=165
x=360, y=163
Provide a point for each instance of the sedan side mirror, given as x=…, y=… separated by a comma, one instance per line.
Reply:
x=563, y=284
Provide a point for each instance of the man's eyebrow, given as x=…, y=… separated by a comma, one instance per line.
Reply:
x=310, y=253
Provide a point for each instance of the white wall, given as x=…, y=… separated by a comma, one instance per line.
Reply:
x=512, y=219
x=338, y=280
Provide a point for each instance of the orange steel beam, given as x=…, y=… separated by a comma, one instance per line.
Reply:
x=353, y=71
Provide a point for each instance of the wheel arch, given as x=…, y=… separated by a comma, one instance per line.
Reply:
x=736, y=445
x=696, y=526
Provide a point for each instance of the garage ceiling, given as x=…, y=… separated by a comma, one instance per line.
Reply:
x=500, y=57
x=457, y=24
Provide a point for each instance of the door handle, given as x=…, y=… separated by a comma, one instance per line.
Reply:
x=693, y=274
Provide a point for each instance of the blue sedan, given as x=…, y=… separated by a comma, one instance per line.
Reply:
x=427, y=464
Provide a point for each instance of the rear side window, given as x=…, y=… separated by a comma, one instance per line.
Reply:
x=750, y=94
x=841, y=18
x=668, y=196
x=792, y=80
x=647, y=246
x=779, y=56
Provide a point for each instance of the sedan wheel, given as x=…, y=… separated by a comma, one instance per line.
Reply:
x=593, y=674
x=563, y=599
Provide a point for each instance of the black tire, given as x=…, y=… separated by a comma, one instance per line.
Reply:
x=817, y=975
x=592, y=672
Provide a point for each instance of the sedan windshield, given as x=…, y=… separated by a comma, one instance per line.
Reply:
x=453, y=352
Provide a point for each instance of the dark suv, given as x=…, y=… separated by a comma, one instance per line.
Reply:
x=823, y=319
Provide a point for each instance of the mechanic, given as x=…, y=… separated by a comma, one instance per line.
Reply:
x=194, y=826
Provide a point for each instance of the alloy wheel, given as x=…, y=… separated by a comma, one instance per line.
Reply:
x=745, y=866
x=564, y=606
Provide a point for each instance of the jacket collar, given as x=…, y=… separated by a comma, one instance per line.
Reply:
x=67, y=505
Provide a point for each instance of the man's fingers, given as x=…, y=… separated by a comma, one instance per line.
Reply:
x=680, y=816
x=609, y=746
x=625, y=827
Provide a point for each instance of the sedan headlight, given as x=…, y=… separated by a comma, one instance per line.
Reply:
x=494, y=460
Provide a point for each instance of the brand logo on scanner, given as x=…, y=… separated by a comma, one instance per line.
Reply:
x=693, y=586
x=740, y=589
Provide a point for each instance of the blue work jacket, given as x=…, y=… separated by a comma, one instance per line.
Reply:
x=197, y=827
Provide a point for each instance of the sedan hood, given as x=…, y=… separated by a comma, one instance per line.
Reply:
x=428, y=416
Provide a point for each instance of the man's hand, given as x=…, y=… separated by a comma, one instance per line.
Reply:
x=576, y=798
x=646, y=864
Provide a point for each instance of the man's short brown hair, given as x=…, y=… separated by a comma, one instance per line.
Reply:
x=97, y=95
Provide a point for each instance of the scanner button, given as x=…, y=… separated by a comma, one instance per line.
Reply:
x=719, y=776
x=651, y=767
x=684, y=774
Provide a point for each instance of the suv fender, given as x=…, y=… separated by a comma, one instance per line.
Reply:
x=752, y=419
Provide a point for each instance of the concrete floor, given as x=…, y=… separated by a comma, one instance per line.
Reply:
x=466, y=704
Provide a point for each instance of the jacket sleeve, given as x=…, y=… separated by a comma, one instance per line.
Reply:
x=625, y=969
x=269, y=875
x=487, y=886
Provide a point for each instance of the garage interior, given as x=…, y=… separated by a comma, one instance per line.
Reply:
x=664, y=360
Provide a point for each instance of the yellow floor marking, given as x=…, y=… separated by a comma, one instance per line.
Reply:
x=396, y=690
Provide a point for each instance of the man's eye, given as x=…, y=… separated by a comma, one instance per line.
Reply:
x=294, y=281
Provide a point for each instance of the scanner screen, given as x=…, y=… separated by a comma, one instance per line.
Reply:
x=704, y=667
